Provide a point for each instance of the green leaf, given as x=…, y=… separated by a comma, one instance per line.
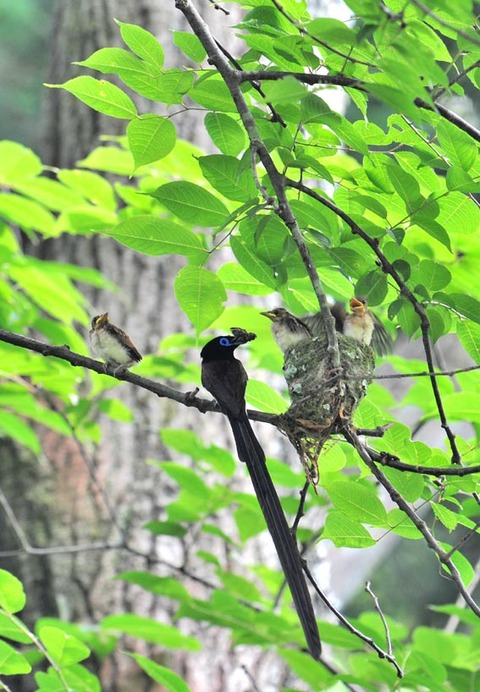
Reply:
x=51, y=290
x=116, y=410
x=26, y=213
x=410, y=485
x=250, y=261
x=12, y=628
x=165, y=528
x=235, y=278
x=64, y=648
x=14, y=427
x=469, y=335
x=153, y=236
x=142, y=43
x=192, y=203
x=17, y=163
x=460, y=148
x=212, y=93
x=90, y=185
x=185, y=477
x=229, y=176
x=461, y=303
x=357, y=502
x=407, y=318
x=12, y=595
x=75, y=677
x=265, y=398
x=448, y=518
x=433, y=276
x=12, y=662
x=283, y=91
x=346, y=533
x=467, y=573
x=115, y=61
x=161, y=586
x=170, y=681
x=100, y=95
x=225, y=133
x=201, y=295
x=372, y=286
x=187, y=442
x=150, y=138
x=150, y=631
x=190, y=45
x=406, y=186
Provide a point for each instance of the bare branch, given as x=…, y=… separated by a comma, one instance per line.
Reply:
x=379, y=610
x=161, y=390
x=351, y=628
x=395, y=463
x=430, y=540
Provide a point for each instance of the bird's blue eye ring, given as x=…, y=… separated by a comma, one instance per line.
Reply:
x=224, y=341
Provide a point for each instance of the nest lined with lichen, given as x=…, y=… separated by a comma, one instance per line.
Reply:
x=323, y=398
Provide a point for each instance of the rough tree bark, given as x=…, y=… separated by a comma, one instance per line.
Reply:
x=79, y=586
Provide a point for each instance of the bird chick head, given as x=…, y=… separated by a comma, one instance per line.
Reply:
x=277, y=314
x=358, y=306
x=100, y=321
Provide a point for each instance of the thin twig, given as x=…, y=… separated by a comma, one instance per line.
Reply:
x=396, y=497
x=468, y=37
x=394, y=463
x=379, y=610
x=351, y=628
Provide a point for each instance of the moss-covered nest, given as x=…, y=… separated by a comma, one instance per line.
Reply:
x=323, y=398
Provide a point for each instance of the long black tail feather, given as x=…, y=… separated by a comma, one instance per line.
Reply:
x=250, y=451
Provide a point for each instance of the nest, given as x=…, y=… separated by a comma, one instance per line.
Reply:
x=323, y=398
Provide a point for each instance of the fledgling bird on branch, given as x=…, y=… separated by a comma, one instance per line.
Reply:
x=225, y=378
x=112, y=344
x=287, y=329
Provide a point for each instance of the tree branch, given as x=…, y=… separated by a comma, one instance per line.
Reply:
x=161, y=390
x=232, y=79
x=432, y=543
x=350, y=82
x=389, y=269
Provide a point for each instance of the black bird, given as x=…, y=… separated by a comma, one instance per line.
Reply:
x=225, y=378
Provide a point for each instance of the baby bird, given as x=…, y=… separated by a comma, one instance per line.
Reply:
x=287, y=329
x=112, y=344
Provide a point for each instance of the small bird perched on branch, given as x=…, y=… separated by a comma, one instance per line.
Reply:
x=112, y=344
x=225, y=378
x=360, y=324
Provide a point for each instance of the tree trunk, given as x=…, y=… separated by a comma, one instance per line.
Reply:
x=100, y=496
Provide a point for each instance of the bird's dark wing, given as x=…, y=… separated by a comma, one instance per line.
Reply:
x=226, y=380
x=382, y=342
x=128, y=344
x=316, y=324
